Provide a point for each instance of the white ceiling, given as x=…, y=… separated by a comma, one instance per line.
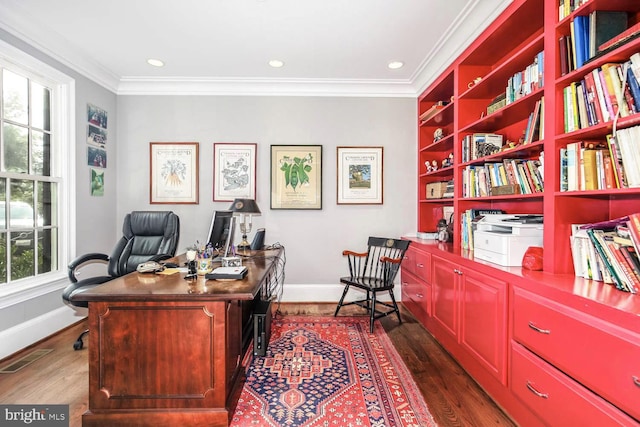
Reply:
x=330, y=47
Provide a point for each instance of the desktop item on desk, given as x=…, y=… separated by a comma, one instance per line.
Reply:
x=245, y=208
x=503, y=239
x=221, y=234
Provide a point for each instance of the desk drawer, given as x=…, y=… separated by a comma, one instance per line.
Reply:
x=555, y=398
x=597, y=354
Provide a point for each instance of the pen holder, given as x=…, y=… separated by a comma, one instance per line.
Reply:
x=203, y=266
x=231, y=261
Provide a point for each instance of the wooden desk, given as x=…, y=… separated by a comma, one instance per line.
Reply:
x=167, y=351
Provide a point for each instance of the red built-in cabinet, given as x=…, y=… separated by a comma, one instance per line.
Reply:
x=549, y=347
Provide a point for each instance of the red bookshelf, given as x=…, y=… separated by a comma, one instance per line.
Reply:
x=474, y=308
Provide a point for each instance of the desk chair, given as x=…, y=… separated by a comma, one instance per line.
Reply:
x=374, y=271
x=146, y=236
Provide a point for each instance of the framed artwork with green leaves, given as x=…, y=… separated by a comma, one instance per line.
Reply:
x=296, y=177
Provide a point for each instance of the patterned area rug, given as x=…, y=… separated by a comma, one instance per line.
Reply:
x=330, y=371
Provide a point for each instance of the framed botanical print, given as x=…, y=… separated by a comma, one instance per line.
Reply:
x=234, y=171
x=359, y=172
x=296, y=177
x=174, y=172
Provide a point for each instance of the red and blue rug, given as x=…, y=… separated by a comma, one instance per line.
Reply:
x=330, y=371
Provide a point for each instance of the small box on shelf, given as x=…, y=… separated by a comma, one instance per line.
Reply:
x=436, y=190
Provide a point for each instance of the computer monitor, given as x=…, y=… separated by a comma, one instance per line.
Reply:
x=221, y=231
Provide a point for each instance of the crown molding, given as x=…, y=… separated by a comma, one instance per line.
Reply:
x=264, y=87
x=64, y=52
x=471, y=22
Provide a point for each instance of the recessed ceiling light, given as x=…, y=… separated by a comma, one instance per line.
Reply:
x=276, y=63
x=394, y=65
x=155, y=62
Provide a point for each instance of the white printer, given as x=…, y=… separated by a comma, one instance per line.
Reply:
x=503, y=239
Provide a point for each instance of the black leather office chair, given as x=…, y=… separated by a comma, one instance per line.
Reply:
x=146, y=236
x=374, y=271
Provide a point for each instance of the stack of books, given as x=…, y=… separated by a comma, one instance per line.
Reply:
x=596, y=165
x=510, y=176
x=605, y=92
x=608, y=252
x=526, y=81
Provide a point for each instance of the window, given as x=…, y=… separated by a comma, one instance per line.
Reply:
x=34, y=140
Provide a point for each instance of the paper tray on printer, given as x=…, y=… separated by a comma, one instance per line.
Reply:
x=227, y=273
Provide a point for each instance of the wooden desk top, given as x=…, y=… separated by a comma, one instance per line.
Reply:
x=159, y=287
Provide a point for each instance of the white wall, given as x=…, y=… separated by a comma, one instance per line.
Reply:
x=313, y=239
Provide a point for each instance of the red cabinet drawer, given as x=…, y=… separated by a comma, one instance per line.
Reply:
x=418, y=263
x=423, y=266
x=416, y=296
x=409, y=261
x=597, y=354
x=557, y=399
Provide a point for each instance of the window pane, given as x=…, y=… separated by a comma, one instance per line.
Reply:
x=16, y=148
x=40, y=107
x=3, y=257
x=40, y=152
x=22, y=255
x=3, y=198
x=47, y=250
x=21, y=206
x=47, y=204
x=15, y=97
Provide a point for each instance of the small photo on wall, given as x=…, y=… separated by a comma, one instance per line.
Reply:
x=97, y=182
x=96, y=116
x=96, y=157
x=96, y=136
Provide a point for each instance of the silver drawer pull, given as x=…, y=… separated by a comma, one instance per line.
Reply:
x=636, y=380
x=420, y=295
x=537, y=329
x=536, y=392
x=420, y=265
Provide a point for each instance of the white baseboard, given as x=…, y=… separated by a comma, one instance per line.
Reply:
x=325, y=293
x=23, y=335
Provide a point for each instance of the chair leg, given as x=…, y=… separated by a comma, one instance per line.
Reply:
x=344, y=293
x=395, y=305
x=373, y=311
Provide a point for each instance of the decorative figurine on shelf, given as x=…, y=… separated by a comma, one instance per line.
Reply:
x=448, y=161
x=434, y=165
x=438, y=134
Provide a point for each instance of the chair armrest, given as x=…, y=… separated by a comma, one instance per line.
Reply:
x=73, y=265
x=391, y=260
x=358, y=254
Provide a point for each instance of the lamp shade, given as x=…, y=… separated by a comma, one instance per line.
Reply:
x=245, y=206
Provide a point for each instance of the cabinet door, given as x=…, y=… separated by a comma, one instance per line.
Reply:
x=444, y=277
x=483, y=320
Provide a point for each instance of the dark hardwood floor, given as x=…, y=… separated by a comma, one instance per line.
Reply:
x=454, y=399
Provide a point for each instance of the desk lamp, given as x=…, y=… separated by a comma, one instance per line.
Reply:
x=245, y=208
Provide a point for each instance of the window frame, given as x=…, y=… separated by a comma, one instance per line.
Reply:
x=63, y=128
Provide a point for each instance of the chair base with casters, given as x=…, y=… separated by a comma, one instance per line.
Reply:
x=79, y=343
x=147, y=236
x=372, y=272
